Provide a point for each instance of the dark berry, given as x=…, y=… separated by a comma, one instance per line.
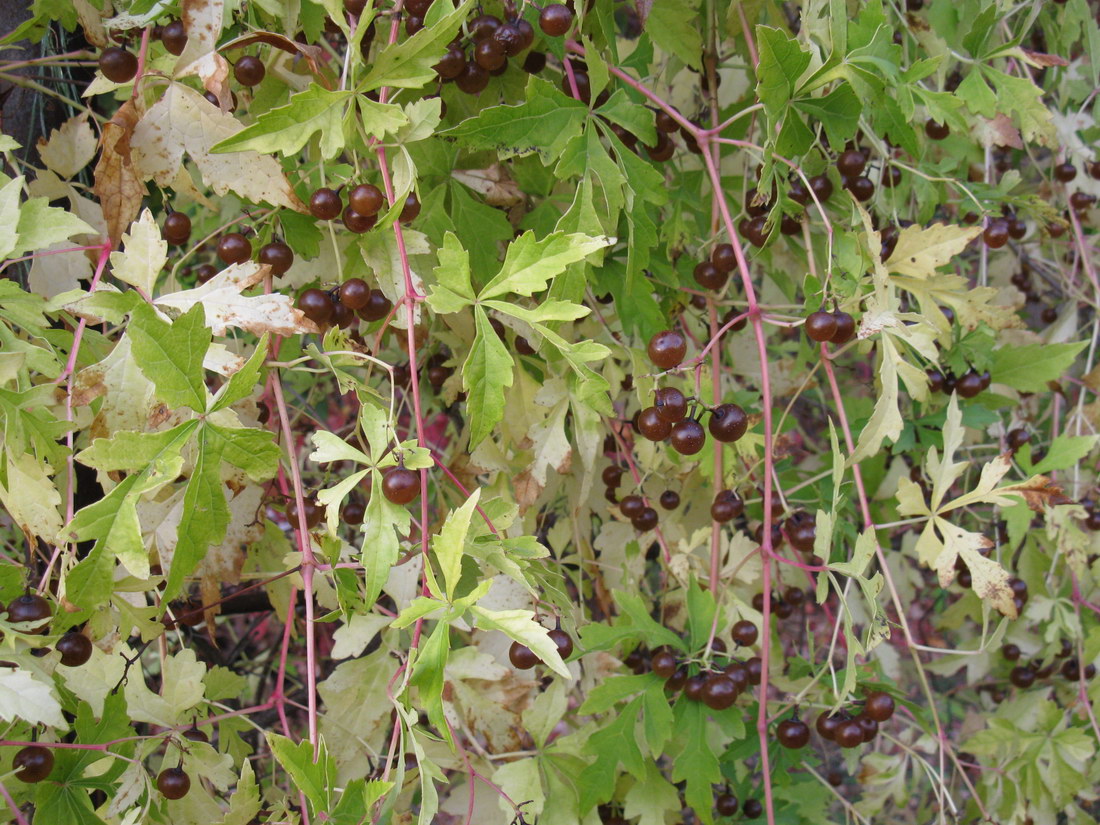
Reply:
x=400, y=485
x=174, y=37
x=118, y=65
x=249, y=71
x=719, y=691
x=75, y=649
x=663, y=663
x=652, y=425
x=632, y=506
x=366, y=199
x=411, y=208
x=869, y=727
x=177, y=228
x=29, y=608
x=1022, y=676
x=316, y=306
x=848, y=734
x=278, y=256
x=670, y=500
x=670, y=404
x=793, y=734
x=310, y=508
x=33, y=763
x=936, y=131
x=234, y=248
x=555, y=19
x=173, y=783
x=845, y=328
x=667, y=349
x=354, y=293
x=450, y=66
x=354, y=222
x=879, y=706
x=378, y=306
x=728, y=422
x=745, y=633
x=709, y=276
x=752, y=808
x=325, y=204
x=820, y=325
x=645, y=520
x=521, y=656
x=995, y=234
x=726, y=804
x=687, y=437
x=851, y=163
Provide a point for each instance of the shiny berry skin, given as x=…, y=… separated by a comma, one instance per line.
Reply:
x=793, y=734
x=473, y=78
x=450, y=65
x=845, y=328
x=678, y=679
x=862, y=187
x=484, y=26
x=1010, y=652
x=249, y=71
x=118, y=65
x=802, y=533
x=820, y=326
x=325, y=204
x=724, y=509
x=631, y=506
x=1081, y=200
x=1022, y=676
x=687, y=437
x=1065, y=172
x=755, y=669
x=663, y=663
x=510, y=39
x=555, y=19
x=693, y=688
x=354, y=222
x=378, y=306
x=969, y=385
x=195, y=735
x=652, y=425
x=708, y=276
x=173, y=783
x=936, y=131
x=174, y=37
x=411, y=208
x=879, y=706
x=667, y=349
x=726, y=804
x=995, y=234
x=752, y=809
x=28, y=608
x=278, y=256
x=849, y=734
x=562, y=641
x=400, y=485
x=868, y=725
x=354, y=293
x=670, y=404
x=521, y=656
x=891, y=177
x=645, y=520
x=827, y=725
x=234, y=248
x=489, y=54
x=612, y=476
x=1017, y=438
x=310, y=508
x=728, y=423
x=316, y=306
x=205, y=272
x=177, y=228
x=366, y=199
x=342, y=316
x=821, y=186
x=719, y=691
x=75, y=649
x=851, y=163
x=670, y=500
x=355, y=7
x=663, y=149
x=353, y=512
x=724, y=258
x=33, y=763
x=745, y=633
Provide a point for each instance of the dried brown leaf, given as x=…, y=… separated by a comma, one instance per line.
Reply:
x=1039, y=492
x=117, y=183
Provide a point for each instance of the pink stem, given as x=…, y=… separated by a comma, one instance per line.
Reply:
x=18, y=814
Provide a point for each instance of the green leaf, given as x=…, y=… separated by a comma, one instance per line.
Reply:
x=1064, y=452
x=674, y=27
x=485, y=373
x=452, y=290
x=695, y=762
x=1028, y=368
x=838, y=112
x=428, y=674
x=41, y=225
x=380, y=545
x=651, y=799
x=652, y=633
x=408, y=64
x=448, y=545
x=1021, y=96
x=530, y=264
x=314, y=777
x=613, y=690
x=520, y=626
x=782, y=62
x=241, y=383
x=286, y=129
x=541, y=125
x=170, y=354
x=639, y=120
x=613, y=744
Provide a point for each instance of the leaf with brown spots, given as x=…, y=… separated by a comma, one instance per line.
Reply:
x=184, y=122
x=203, y=21
x=117, y=182
x=1039, y=492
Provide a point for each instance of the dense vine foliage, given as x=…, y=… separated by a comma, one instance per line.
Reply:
x=650, y=411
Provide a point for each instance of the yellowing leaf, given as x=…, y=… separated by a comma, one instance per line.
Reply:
x=30, y=498
x=920, y=252
x=182, y=121
x=69, y=148
x=202, y=19
x=226, y=307
x=22, y=696
x=144, y=254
